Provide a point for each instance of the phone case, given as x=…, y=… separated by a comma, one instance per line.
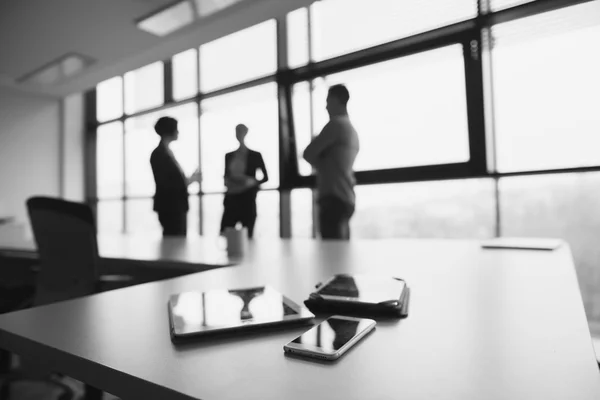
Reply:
x=392, y=308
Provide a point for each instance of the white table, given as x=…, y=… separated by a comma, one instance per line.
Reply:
x=483, y=324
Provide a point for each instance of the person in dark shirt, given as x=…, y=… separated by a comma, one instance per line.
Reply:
x=241, y=166
x=171, y=196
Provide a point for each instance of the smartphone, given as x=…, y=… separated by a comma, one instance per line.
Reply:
x=365, y=289
x=331, y=338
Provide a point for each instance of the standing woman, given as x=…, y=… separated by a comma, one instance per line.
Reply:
x=242, y=185
x=171, y=197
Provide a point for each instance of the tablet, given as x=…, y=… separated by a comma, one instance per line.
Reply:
x=515, y=243
x=202, y=313
x=366, y=289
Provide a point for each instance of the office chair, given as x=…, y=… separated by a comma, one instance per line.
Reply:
x=65, y=234
x=14, y=298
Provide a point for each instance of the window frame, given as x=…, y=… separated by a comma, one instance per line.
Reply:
x=471, y=34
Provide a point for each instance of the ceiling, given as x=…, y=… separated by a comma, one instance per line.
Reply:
x=37, y=32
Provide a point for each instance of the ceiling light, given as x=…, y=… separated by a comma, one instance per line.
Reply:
x=168, y=20
x=65, y=67
x=208, y=7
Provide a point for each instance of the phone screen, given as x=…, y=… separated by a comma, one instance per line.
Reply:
x=332, y=334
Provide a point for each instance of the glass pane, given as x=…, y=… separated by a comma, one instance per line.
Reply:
x=110, y=216
x=141, y=140
x=212, y=212
x=193, y=216
x=239, y=57
x=267, y=210
x=185, y=74
x=408, y=112
x=547, y=90
x=297, y=40
x=109, y=160
x=302, y=213
x=141, y=219
x=257, y=108
x=302, y=123
x=343, y=26
x=109, y=99
x=442, y=209
x=560, y=206
x=144, y=88
x=502, y=4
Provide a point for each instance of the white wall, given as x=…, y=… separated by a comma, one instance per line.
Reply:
x=29, y=150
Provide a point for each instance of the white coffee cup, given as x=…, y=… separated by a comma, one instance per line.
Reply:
x=237, y=240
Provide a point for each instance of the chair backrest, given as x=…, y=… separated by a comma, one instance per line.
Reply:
x=65, y=234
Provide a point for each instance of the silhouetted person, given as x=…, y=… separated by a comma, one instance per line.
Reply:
x=332, y=153
x=171, y=197
x=241, y=166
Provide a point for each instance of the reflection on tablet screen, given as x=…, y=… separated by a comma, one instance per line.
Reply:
x=194, y=311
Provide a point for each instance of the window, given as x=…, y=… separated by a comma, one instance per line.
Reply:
x=267, y=210
x=141, y=218
x=547, y=90
x=193, y=216
x=144, y=88
x=212, y=212
x=109, y=103
x=502, y=4
x=185, y=74
x=239, y=57
x=444, y=209
x=110, y=216
x=559, y=206
x=297, y=41
x=408, y=112
x=109, y=161
x=344, y=26
x=302, y=213
x=141, y=140
x=301, y=104
x=257, y=108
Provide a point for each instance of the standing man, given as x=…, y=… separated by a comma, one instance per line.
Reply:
x=171, y=197
x=241, y=166
x=332, y=154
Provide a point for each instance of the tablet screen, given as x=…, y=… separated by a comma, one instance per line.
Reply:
x=193, y=312
x=363, y=288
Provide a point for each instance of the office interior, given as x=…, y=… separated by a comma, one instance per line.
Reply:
x=477, y=118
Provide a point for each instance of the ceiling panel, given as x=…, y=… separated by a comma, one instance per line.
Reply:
x=40, y=31
x=36, y=32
